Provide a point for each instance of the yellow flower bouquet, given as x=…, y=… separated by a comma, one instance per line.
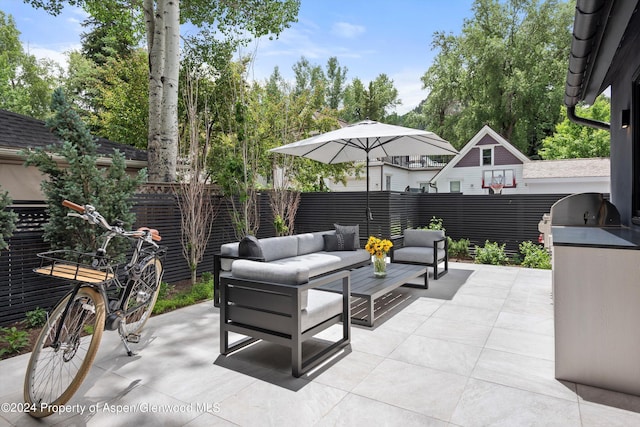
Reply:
x=379, y=249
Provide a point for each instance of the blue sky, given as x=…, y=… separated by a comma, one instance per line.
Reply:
x=369, y=37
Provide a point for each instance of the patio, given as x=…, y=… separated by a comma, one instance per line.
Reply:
x=483, y=358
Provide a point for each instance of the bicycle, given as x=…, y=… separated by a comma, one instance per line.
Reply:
x=106, y=295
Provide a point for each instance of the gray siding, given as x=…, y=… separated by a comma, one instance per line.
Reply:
x=471, y=159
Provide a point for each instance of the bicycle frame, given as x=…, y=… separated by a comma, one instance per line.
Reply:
x=129, y=272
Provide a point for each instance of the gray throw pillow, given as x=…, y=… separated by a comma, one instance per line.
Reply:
x=348, y=229
x=338, y=242
x=250, y=247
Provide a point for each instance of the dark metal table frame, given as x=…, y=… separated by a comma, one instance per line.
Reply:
x=368, y=287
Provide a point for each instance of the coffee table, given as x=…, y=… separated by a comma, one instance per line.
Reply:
x=368, y=287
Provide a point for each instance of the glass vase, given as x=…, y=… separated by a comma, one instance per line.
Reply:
x=379, y=266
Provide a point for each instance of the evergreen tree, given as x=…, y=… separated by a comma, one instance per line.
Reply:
x=7, y=220
x=108, y=189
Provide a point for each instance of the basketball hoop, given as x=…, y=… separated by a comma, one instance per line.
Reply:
x=496, y=188
x=496, y=185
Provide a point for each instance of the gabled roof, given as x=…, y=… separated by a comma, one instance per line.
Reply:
x=485, y=131
x=19, y=132
x=567, y=168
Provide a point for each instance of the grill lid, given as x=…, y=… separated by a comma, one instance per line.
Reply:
x=585, y=209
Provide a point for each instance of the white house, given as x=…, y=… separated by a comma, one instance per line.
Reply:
x=393, y=174
x=567, y=176
x=487, y=160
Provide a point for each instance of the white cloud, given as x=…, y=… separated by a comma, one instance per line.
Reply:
x=59, y=54
x=347, y=30
x=409, y=88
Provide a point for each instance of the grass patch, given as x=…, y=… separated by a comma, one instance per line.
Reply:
x=201, y=291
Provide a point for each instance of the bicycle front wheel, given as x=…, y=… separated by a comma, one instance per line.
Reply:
x=57, y=367
x=142, y=297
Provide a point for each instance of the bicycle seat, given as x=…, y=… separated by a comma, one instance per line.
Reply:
x=155, y=234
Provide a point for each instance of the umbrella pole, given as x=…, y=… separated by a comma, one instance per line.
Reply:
x=368, y=211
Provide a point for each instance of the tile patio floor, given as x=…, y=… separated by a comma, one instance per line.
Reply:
x=483, y=358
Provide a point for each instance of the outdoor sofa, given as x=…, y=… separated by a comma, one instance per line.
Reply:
x=321, y=252
x=423, y=247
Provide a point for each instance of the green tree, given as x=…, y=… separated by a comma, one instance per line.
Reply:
x=572, y=140
x=506, y=69
x=373, y=103
x=310, y=81
x=25, y=82
x=336, y=81
x=7, y=220
x=108, y=189
x=237, y=20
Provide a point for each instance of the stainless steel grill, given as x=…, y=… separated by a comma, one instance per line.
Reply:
x=586, y=210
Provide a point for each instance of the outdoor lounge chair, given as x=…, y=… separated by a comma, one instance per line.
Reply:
x=267, y=302
x=424, y=247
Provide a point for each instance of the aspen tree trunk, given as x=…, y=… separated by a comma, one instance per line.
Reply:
x=162, y=19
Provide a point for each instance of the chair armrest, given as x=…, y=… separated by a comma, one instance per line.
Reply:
x=445, y=240
x=291, y=290
x=217, y=268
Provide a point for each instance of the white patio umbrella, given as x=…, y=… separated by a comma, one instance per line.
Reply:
x=365, y=140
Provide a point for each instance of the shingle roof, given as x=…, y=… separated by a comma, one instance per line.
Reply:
x=20, y=132
x=569, y=168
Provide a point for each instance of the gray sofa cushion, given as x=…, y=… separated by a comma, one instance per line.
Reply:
x=347, y=229
x=416, y=254
x=320, y=307
x=269, y=272
x=312, y=242
x=228, y=249
x=279, y=247
x=324, y=262
x=422, y=237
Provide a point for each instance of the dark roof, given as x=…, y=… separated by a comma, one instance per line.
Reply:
x=20, y=132
x=599, y=27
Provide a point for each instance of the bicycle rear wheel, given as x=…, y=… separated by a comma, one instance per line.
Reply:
x=144, y=294
x=56, y=369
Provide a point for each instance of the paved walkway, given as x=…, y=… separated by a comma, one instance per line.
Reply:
x=483, y=358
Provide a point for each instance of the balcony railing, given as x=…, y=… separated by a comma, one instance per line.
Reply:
x=418, y=162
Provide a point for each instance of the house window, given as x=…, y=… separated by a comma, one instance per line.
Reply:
x=424, y=187
x=454, y=186
x=387, y=183
x=487, y=157
x=506, y=177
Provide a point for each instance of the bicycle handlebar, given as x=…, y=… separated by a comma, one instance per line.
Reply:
x=89, y=213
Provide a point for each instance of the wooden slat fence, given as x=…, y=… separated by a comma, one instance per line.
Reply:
x=504, y=219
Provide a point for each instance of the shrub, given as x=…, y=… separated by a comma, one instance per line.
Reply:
x=535, y=256
x=165, y=288
x=206, y=277
x=459, y=249
x=436, y=224
x=16, y=340
x=491, y=253
x=36, y=318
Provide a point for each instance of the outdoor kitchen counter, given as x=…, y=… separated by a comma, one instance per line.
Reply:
x=596, y=237
x=596, y=295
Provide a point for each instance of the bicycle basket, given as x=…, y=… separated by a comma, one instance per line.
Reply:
x=77, y=266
